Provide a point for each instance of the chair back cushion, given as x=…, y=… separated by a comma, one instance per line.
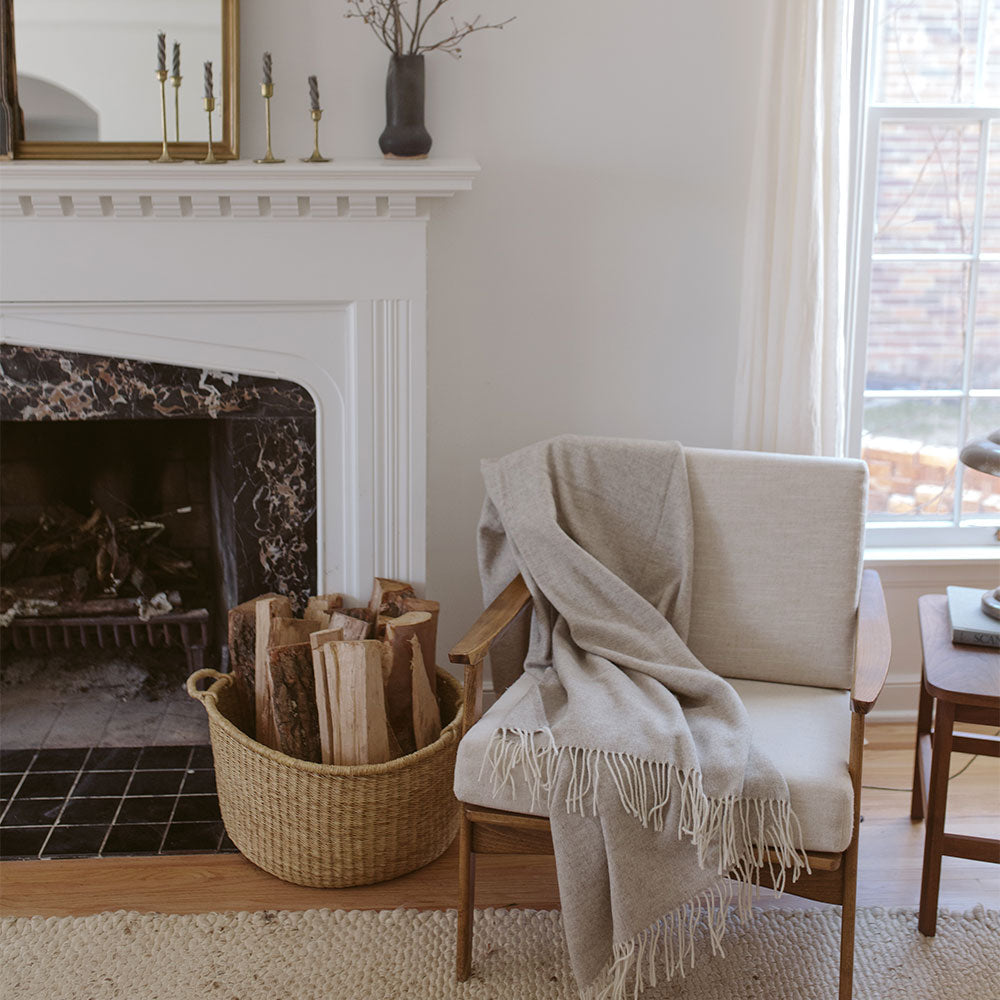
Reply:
x=778, y=548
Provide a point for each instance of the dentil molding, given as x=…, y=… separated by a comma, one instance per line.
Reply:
x=346, y=189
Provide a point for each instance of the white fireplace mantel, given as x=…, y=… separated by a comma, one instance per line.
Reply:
x=314, y=273
x=348, y=189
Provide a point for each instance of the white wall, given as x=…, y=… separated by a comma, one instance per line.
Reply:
x=589, y=282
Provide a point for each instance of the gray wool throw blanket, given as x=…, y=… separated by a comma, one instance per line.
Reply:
x=645, y=758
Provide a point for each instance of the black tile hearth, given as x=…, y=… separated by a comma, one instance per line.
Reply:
x=101, y=802
x=193, y=837
x=113, y=758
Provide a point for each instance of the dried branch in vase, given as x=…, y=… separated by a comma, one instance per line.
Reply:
x=400, y=24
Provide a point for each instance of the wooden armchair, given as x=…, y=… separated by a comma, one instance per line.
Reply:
x=486, y=829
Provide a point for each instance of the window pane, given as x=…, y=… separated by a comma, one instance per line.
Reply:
x=991, y=66
x=991, y=217
x=927, y=51
x=916, y=325
x=926, y=187
x=980, y=492
x=911, y=449
x=986, y=345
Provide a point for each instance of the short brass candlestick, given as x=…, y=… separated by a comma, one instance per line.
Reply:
x=316, y=113
x=175, y=82
x=164, y=157
x=209, y=103
x=267, y=92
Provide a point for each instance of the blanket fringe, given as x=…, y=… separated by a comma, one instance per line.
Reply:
x=669, y=944
x=747, y=833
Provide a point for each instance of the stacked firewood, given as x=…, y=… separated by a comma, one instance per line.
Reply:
x=64, y=563
x=338, y=685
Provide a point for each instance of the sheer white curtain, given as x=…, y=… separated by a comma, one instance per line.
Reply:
x=790, y=389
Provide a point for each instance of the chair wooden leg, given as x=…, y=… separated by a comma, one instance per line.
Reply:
x=937, y=798
x=924, y=717
x=466, y=898
x=847, y=915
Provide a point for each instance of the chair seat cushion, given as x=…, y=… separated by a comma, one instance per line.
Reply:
x=804, y=730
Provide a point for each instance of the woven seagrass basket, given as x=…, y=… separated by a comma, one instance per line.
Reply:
x=326, y=825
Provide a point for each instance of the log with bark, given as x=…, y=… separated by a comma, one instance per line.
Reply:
x=293, y=700
x=397, y=670
x=265, y=611
x=242, y=658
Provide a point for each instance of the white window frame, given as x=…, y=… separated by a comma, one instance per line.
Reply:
x=865, y=126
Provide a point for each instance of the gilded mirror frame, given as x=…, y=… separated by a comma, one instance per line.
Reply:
x=13, y=146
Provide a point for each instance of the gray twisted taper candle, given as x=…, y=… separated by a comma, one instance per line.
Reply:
x=267, y=68
x=161, y=52
x=313, y=94
x=177, y=59
x=208, y=80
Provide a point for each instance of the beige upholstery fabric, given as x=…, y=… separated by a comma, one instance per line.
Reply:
x=777, y=565
x=804, y=730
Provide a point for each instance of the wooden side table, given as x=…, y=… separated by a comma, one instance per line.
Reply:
x=959, y=684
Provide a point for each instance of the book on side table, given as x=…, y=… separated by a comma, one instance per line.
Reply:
x=969, y=623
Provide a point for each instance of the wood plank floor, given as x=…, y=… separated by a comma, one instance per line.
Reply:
x=890, y=863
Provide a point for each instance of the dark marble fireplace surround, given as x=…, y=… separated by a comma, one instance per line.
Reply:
x=263, y=448
x=256, y=440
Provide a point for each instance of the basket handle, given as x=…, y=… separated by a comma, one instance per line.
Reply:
x=220, y=681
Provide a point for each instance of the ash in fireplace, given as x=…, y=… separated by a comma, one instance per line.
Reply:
x=95, y=697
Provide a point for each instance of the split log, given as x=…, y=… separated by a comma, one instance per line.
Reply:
x=265, y=610
x=286, y=630
x=388, y=592
x=397, y=677
x=326, y=695
x=426, y=712
x=242, y=653
x=293, y=701
x=429, y=640
x=320, y=608
x=357, y=623
x=364, y=737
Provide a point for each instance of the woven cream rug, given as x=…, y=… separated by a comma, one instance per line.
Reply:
x=520, y=955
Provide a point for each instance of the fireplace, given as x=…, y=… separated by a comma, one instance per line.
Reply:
x=306, y=284
x=139, y=501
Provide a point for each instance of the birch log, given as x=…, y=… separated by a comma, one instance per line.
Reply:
x=265, y=610
x=294, y=701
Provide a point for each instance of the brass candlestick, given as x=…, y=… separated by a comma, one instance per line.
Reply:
x=267, y=92
x=209, y=103
x=175, y=82
x=164, y=157
x=316, y=157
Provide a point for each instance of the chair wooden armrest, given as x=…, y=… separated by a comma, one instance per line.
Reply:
x=873, y=644
x=473, y=647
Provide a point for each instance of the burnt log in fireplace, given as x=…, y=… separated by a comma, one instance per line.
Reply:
x=139, y=500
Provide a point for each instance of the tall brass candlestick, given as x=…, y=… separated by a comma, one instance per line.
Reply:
x=317, y=114
x=164, y=157
x=267, y=92
x=175, y=82
x=209, y=103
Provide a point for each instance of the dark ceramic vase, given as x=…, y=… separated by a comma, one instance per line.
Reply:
x=405, y=135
